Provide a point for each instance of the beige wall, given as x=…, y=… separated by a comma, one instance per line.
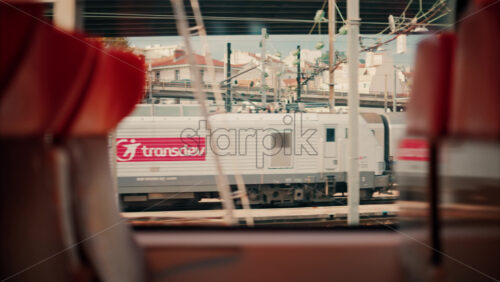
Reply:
x=168, y=74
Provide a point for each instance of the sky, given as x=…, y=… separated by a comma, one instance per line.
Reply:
x=282, y=43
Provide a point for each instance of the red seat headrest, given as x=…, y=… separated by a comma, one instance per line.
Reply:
x=429, y=103
x=475, y=111
x=60, y=83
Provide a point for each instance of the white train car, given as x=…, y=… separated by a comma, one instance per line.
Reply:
x=283, y=158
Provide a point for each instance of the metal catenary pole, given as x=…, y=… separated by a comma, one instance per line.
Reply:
x=385, y=94
x=228, y=82
x=65, y=15
x=331, y=53
x=298, y=74
x=353, y=102
x=263, y=66
x=394, y=105
x=150, y=92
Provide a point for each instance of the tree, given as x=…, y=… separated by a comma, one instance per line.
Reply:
x=324, y=58
x=339, y=55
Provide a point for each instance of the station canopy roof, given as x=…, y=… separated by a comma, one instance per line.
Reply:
x=235, y=17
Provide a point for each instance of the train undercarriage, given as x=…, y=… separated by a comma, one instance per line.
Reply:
x=259, y=195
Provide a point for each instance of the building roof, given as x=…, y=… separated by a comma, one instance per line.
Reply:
x=182, y=59
x=162, y=61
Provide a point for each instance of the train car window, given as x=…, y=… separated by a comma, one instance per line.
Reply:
x=330, y=135
x=162, y=110
x=307, y=165
x=165, y=158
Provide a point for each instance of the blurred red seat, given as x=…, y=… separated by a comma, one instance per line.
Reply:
x=60, y=96
x=475, y=107
x=429, y=103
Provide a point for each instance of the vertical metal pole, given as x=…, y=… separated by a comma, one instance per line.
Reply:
x=353, y=102
x=263, y=66
x=435, y=231
x=298, y=74
x=282, y=69
x=151, y=76
x=65, y=14
x=114, y=173
x=278, y=88
x=394, y=105
x=275, y=85
x=331, y=53
x=385, y=95
x=228, y=75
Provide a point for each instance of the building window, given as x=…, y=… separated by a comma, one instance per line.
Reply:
x=330, y=135
x=177, y=74
x=202, y=73
x=157, y=76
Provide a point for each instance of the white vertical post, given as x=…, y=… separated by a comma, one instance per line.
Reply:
x=113, y=164
x=353, y=102
x=65, y=14
x=394, y=105
x=262, y=63
x=331, y=53
x=151, y=77
x=385, y=95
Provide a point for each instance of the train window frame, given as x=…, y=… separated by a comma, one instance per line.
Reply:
x=328, y=137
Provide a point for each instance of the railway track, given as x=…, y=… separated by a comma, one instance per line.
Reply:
x=216, y=204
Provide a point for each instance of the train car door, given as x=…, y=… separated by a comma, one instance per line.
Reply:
x=330, y=147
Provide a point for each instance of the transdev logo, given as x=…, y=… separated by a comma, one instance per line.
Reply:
x=160, y=149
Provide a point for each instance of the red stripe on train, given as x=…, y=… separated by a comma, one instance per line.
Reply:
x=413, y=150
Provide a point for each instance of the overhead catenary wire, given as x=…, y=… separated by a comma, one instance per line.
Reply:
x=377, y=45
x=314, y=25
x=403, y=15
x=340, y=14
x=207, y=19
